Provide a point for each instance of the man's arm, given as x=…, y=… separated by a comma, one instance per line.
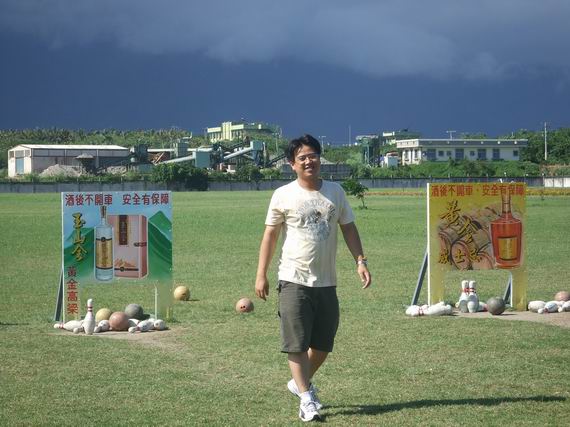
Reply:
x=266, y=250
x=352, y=239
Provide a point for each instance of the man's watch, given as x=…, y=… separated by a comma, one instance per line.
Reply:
x=362, y=260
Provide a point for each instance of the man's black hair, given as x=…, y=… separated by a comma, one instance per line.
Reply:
x=296, y=143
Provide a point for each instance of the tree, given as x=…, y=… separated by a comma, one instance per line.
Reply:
x=248, y=173
x=190, y=177
x=355, y=188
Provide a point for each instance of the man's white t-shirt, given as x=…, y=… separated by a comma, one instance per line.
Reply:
x=309, y=226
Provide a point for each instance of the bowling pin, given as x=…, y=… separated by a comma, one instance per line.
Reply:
x=536, y=305
x=472, y=298
x=549, y=307
x=104, y=325
x=68, y=326
x=565, y=307
x=133, y=322
x=151, y=320
x=89, y=321
x=464, y=290
x=414, y=311
x=78, y=330
x=143, y=326
x=439, y=309
x=159, y=325
x=146, y=325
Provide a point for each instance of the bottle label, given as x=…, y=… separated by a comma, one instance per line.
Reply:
x=104, y=253
x=123, y=230
x=508, y=248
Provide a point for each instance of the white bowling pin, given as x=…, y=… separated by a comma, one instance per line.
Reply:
x=133, y=322
x=146, y=325
x=536, y=305
x=549, y=307
x=69, y=325
x=151, y=320
x=143, y=326
x=89, y=321
x=160, y=325
x=472, y=298
x=473, y=306
x=439, y=309
x=414, y=311
x=78, y=330
x=464, y=290
x=565, y=307
x=104, y=325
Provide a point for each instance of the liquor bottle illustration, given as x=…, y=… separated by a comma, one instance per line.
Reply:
x=104, y=248
x=506, y=235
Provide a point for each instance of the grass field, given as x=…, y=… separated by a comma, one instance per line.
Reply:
x=216, y=367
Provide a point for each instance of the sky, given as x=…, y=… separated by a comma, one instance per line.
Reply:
x=331, y=68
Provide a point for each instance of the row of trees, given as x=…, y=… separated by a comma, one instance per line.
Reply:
x=532, y=158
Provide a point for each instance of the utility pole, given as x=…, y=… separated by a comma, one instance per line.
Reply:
x=349, y=136
x=322, y=138
x=451, y=132
x=545, y=143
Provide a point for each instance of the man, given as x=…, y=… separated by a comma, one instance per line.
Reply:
x=307, y=211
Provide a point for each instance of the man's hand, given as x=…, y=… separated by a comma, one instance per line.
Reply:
x=364, y=275
x=262, y=288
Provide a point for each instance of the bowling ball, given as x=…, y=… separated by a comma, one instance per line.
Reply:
x=562, y=296
x=134, y=311
x=102, y=314
x=496, y=305
x=119, y=321
x=182, y=293
x=244, y=305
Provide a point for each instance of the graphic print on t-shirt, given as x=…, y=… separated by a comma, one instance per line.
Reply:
x=315, y=216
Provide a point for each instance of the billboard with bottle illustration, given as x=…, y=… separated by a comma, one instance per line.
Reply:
x=109, y=238
x=476, y=226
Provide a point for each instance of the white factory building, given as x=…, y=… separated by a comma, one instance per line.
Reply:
x=35, y=158
x=414, y=151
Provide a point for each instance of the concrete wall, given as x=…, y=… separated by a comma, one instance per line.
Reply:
x=561, y=182
x=58, y=187
x=403, y=183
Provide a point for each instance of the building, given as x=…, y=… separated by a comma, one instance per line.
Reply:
x=32, y=158
x=390, y=160
x=414, y=151
x=329, y=170
x=230, y=131
x=366, y=139
x=391, y=137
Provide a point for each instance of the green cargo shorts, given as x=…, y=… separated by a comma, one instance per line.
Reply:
x=309, y=317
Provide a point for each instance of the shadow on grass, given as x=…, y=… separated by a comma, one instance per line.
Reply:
x=13, y=324
x=416, y=404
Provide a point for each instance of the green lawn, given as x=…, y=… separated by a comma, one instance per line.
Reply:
x=216, y=367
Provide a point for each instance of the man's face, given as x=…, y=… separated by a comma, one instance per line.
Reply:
x=307, y=163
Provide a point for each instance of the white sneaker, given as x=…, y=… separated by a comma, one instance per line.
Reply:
x=308, y=411
x=292, y=386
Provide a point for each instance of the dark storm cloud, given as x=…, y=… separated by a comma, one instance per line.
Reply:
x=485, y=39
